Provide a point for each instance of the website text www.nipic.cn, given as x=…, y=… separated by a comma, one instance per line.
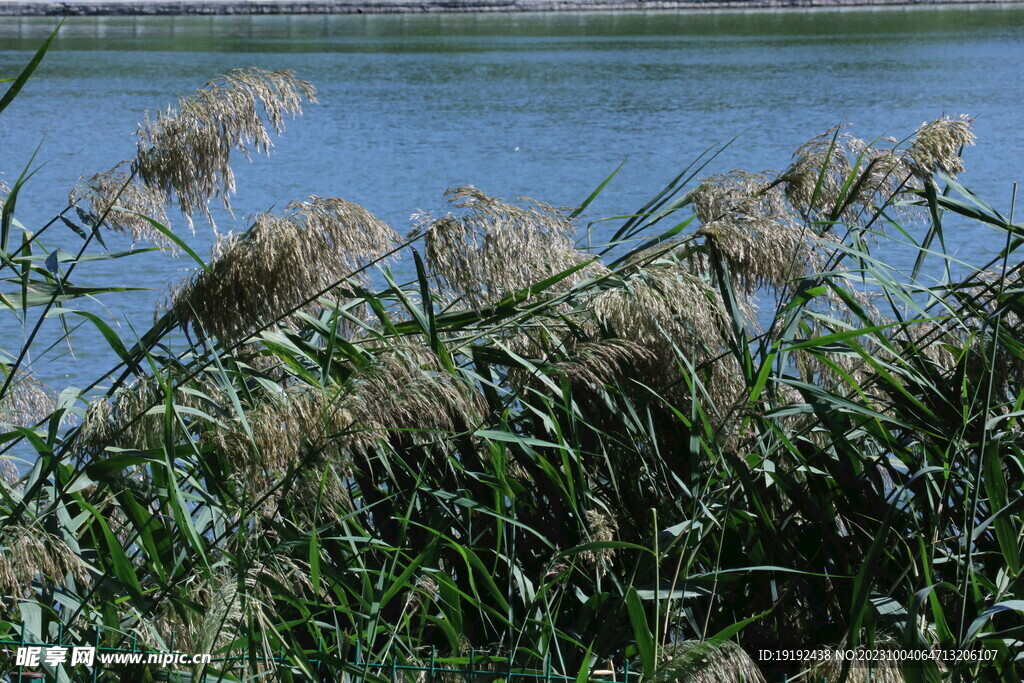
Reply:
x=34, y=656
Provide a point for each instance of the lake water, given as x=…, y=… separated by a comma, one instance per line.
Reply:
x=539, y=105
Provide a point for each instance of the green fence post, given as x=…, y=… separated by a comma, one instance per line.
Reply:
x=469, y=673
x=625, y=674
x=96, y=654
x=21, y=667
x=433, y=657
x=547, y=667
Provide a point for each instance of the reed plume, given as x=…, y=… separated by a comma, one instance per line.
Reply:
x=8, y=471
x=236, y=601
x=603, y=528
x=738, y=195
x=26, y=401
x=936, y=147
x=491, y=248
x=706, y=662
x=30, y=555
x=817, y=175
x=126, y=203
x=134, y=416
x=286, y=429
x=747, y=222
x=406, y=389
x=596, y=363
x=678, y=318
x=268, y=272
x=185, y=151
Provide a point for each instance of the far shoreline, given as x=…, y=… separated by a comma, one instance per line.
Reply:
x=113, y=8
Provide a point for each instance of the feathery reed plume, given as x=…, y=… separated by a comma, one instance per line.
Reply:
x=186, y=151
x=661, y=305
x=738, y=195
x=26, y=401
x=281, y=431
x=598, y=363
x=815, y=179
x=880, y=172
x=936, y=147
x=133, y=416
x=706, y=662
x=746, y=220
x=8, y=471
x=493, y=248
x=603, y=527
x=838, y=176
x=407, y=388
x=261, y=275
x=319, y=491
x=180, y=626
x=236, y=600
x=761, y=252
x=929, y=340
x=676, y=316
x=862, y=669
x=115, y=194
x=30, y=554
x=425, y=589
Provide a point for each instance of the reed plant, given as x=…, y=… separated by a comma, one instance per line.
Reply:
x=733, y=428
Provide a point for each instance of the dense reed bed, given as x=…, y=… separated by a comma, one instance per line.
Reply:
x=733, y=428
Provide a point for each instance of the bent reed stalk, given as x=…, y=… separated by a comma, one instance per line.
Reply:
x=530, y=454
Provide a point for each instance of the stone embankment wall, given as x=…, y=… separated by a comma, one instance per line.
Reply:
x=181, y=7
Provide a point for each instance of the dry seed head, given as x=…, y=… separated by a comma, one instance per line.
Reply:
x=238, y=600
x=600, y=362
x=119, y=197
x=132, y=417
x=603, y=527
x=814, y=180
x=8, y=470
x=936, y=146
x=491, y=248
x=880, y=173
x=862, y=670
x=30, y=554
x=930, y=340
x=674, y=314
x=425, y=586
x=186, y=151
x=408, y=389
x=320, y=491
x=706, y=662
x=761, y=252
x=737, y=195
x=284, y=430
x=662, y=305
x=26, y=401
x=265, y=274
